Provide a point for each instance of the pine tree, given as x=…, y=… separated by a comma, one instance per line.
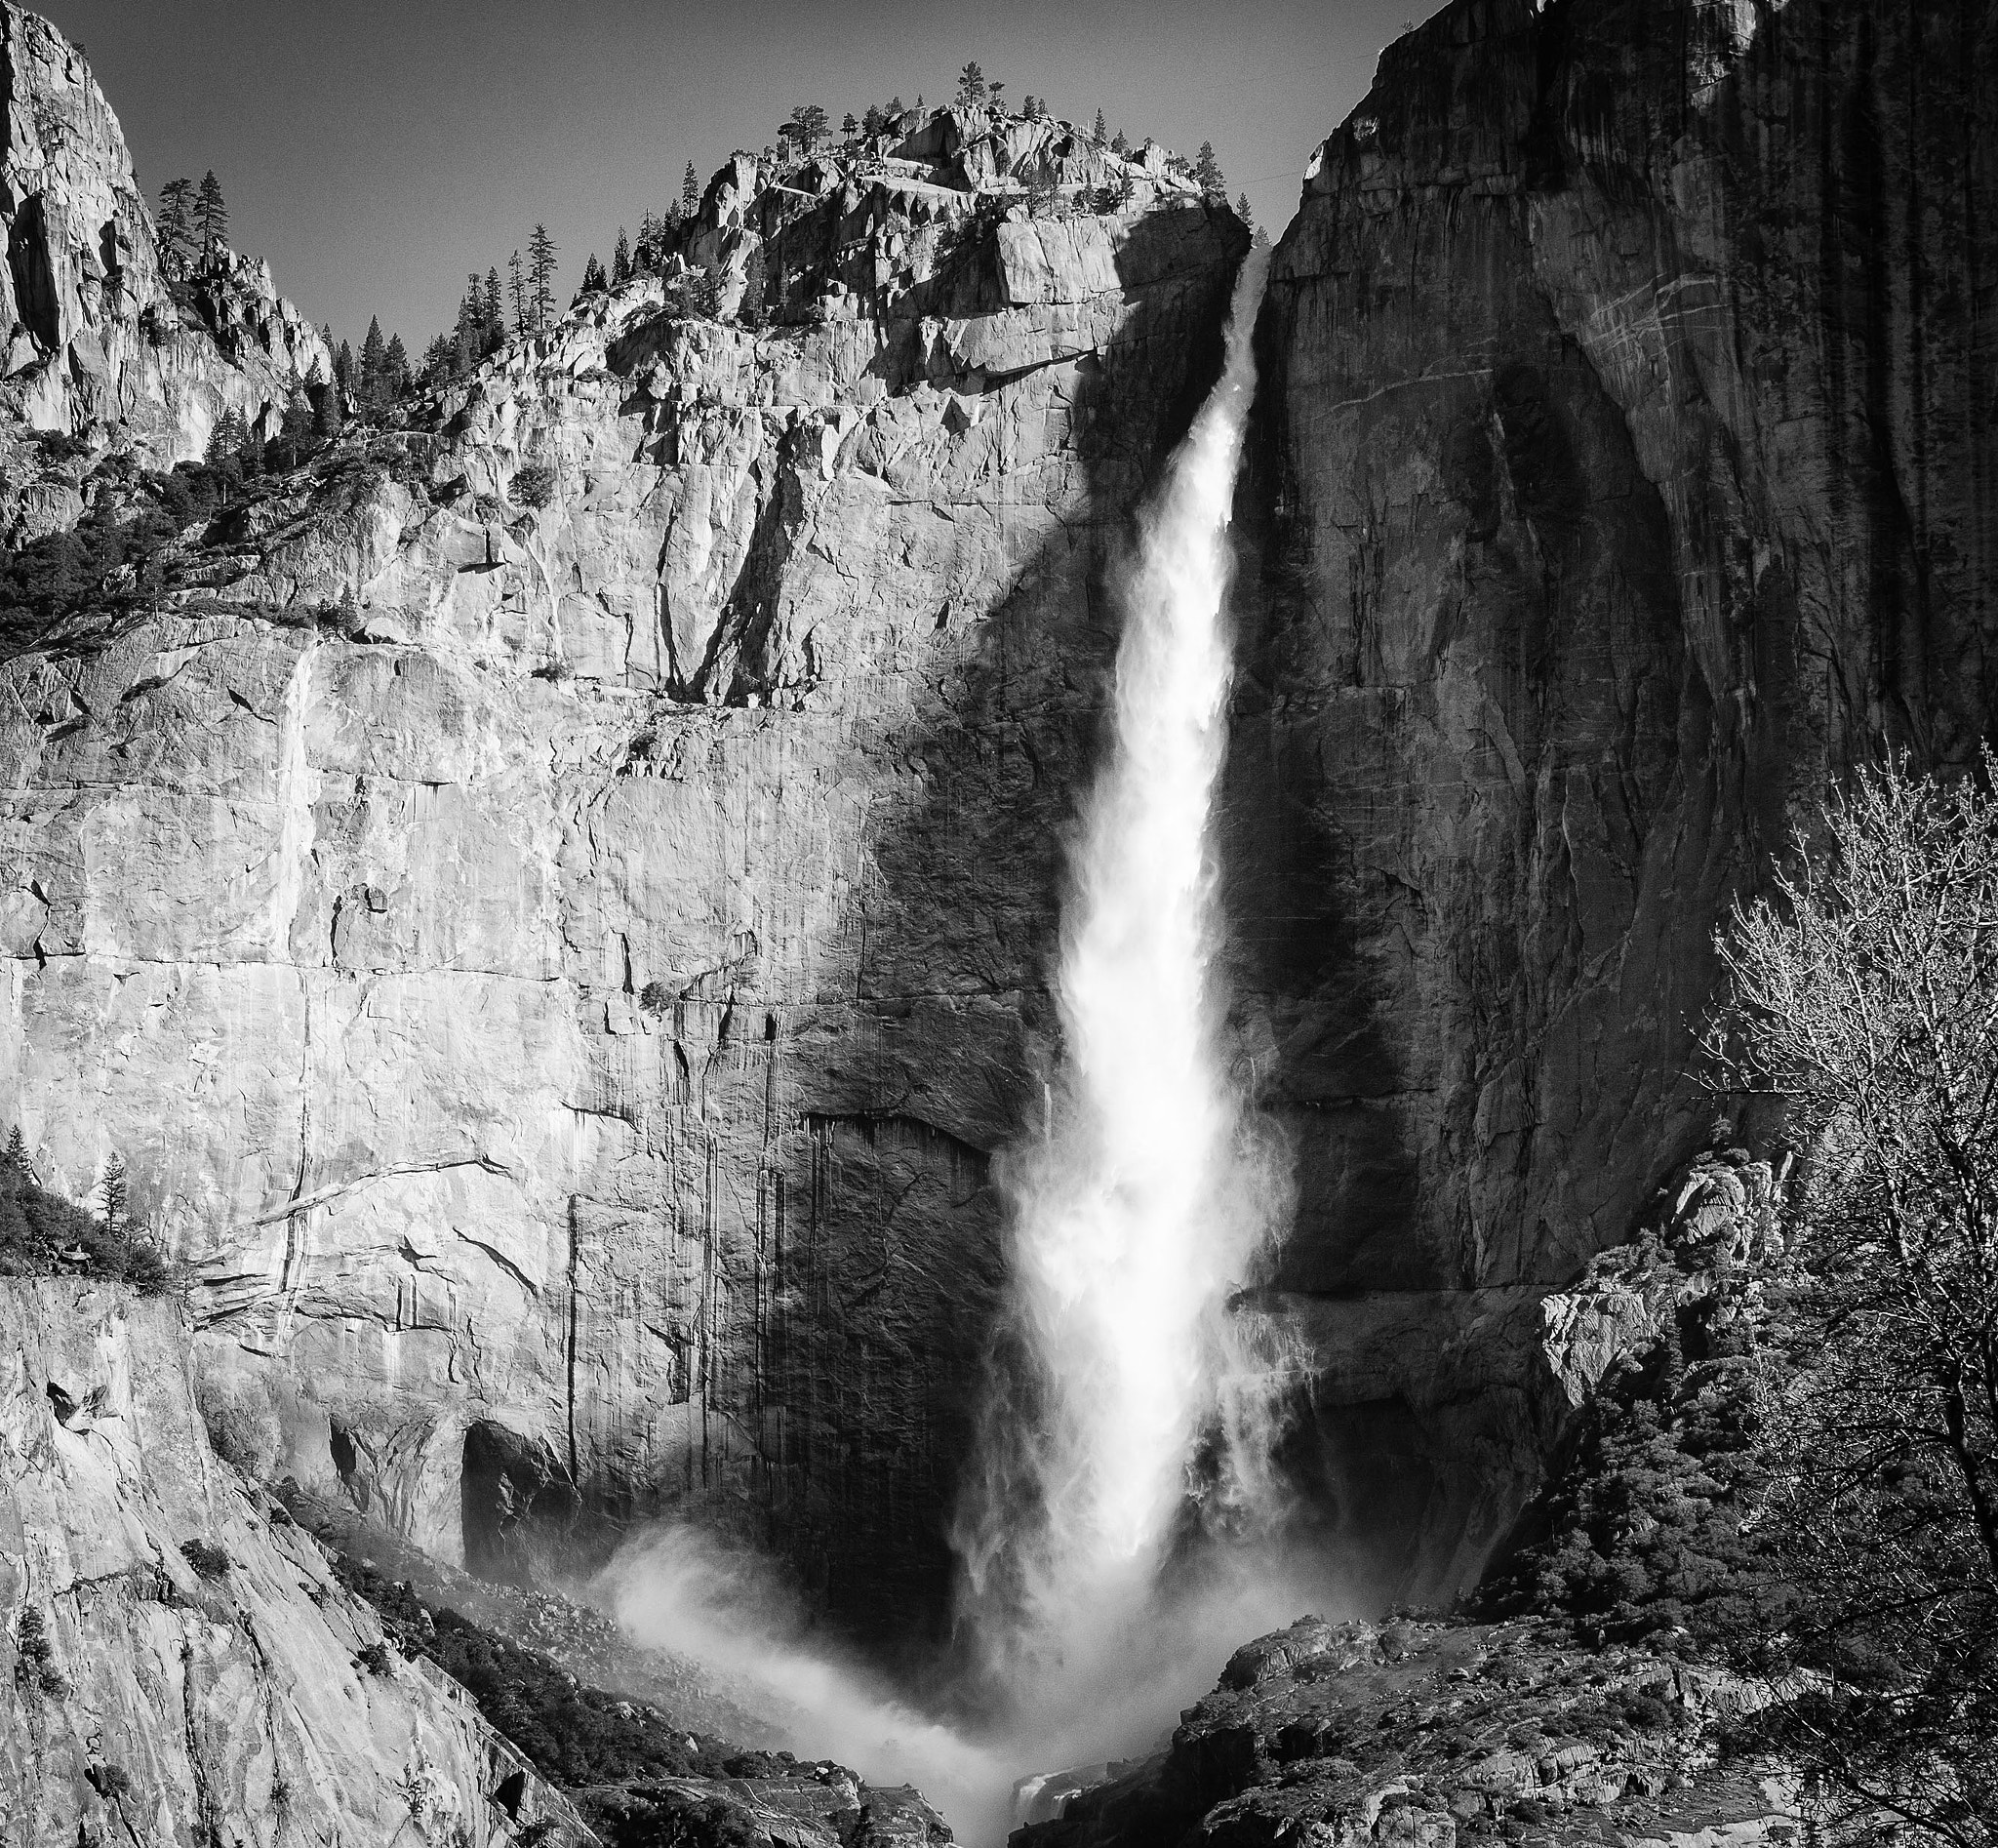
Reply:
x=1243, y=212
x=1120, y=145
x=971, y=86
x=439, y=357
x=1206, y=171
x=295, y=432
x=395, y=366
x=210, y=215
x=754, y=308
x=325, y=406
x=15, y=1160
x=806, y=127
x=540, y=253
x=373, y=393
x=226, y=440
x=620, y=260
x=594, y=281
x=516, y=286
x=874, y=121
x=177, y=226
x=1102, y=128
x=344, y=368
x=690, y=193
x=250, y=453
x=850, y=127
x=117, y=1211
x=495, y=313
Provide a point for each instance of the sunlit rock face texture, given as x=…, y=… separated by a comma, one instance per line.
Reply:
x=93, y=330
x=563, y=974
x=1625, y=469
x=152, y=1691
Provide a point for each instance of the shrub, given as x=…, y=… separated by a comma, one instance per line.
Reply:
x=209, y=1560
x=576, y=1736
x=112, y=1782
x=376, y=1658
x=1640, y=1531
x=34, y=1667
x=701, y=294
x=533, y=486
x=655, y=1817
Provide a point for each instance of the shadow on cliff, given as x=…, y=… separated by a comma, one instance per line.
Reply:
x=873, y=1352
x=1545, y=652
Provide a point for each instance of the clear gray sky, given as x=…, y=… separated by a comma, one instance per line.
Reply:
x=376, y=150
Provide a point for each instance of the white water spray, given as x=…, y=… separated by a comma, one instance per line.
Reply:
x=1135, y=1215
x=1138, y=1213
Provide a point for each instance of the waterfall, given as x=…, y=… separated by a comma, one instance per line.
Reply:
x=1123, y=1389
x=1137, y=1211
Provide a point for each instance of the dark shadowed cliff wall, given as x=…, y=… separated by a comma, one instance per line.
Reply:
x=1625, y=469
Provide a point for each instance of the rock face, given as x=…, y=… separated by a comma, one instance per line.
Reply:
x=562, y=971
x=94, y=333
x=561, y=975
x=1339, y=1735
x=1623, y=470
x=1725, y=1214
x=219, y=1696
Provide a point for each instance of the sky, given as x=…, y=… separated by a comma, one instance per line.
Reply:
x=377, y=151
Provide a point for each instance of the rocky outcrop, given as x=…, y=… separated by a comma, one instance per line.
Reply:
x=823, y=1806
x=181, y=1663
x=1430, y=1409
x=587, y=954
x=1622, y=471
x=94, y=337
x=1723, y=1216
x=1338, y=1735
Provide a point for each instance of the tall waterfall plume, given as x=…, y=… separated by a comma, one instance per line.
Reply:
x=1137, y=1212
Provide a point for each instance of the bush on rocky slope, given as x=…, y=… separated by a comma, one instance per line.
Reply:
x=577, y=1736
x=1639, y=1532
x=641, y=1781
x=138, y=530
x=44, y=1235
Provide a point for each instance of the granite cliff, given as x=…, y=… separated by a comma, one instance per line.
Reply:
x=99, y=342
x=559, y=974
x=181, y=1663
x=1623, y=472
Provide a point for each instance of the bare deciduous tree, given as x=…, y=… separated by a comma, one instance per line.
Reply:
x=1867, y=997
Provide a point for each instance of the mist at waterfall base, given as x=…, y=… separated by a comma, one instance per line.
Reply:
x=739, y=1615
x=1121, y=1528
